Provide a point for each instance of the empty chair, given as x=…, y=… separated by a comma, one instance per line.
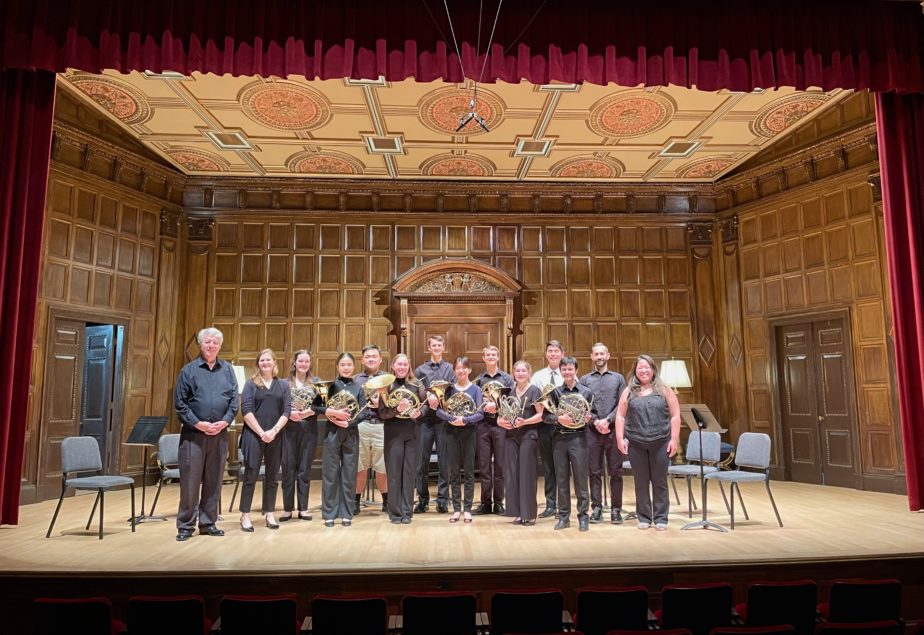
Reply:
x=863, y=601
x=789, y=602
x=699, y=607
x=168, y=460
x=709, y=456
x=453, y=612
x=783, y=629
x=884, y=627
x=248, y=614
x=334, y=615
x=753, y=452
x=238, y=474
x=89, y=616
x=177, y=615
x=81, y=454
x=598, y=611
x=533, y=611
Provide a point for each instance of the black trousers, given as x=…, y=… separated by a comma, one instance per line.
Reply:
x=460, y=457
x=521, y=449
x=490, y=452
x=339, y=460
x=428, y=432
x=571, y=460
x=401, y=448
x=650, y=464
x=202, y=459
x=299, y=446
x=546, y=431
x=599, y=446
x=257, y=452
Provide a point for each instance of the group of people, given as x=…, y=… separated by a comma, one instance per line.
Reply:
x=392, y=424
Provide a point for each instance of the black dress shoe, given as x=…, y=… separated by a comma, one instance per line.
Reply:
x=270, y=525
x=210, y=530
x=528, y=523
x=616, y=517
x=442, y=509
x=596, y=515
x=328, y=523
x=405, y=521
x=548, y=512
x=347, y=522
x=395, y=521
x=583, y=525
x=484, y=508
x=285, y=517
x=247, y=528
x=499, y=509
x=303, y=516
x=421, y=508
x=563, y=523
x=183, y=535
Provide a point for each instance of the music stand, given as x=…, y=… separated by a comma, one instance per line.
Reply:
x=146, y=434
x=697, y=417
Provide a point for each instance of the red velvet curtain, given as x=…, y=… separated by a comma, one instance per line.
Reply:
x=711, y=44
x=26, y=114
x=900, y=122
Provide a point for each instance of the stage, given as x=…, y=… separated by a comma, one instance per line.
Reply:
x=828, y=533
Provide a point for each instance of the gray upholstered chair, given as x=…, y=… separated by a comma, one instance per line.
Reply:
x=711, y=452
x=753, y=452
x=81, y=454
x=238, y=474
x=168, y=460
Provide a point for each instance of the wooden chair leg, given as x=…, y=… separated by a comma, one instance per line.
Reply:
x=93, y=511
x=57, y=509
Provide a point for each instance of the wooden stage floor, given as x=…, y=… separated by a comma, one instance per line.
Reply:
x=821, y=525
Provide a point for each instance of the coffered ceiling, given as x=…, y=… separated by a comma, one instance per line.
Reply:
x=251, y=126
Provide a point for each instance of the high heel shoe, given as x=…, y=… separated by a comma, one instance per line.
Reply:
x=467, y=517
x=517, y=521
x=247, y=528
x=529, y=523
x=271, y=525
x=455, y=517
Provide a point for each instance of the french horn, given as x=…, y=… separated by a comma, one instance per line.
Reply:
x=343, y=400
x=439, y=387
x=493, y=390
x=303, y=397
x=398, y=395
x=510, y=407
x=460, y=404
x=577, y=407
x=545, y=399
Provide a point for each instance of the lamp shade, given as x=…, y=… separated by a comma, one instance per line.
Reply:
x=674, y=373
x=239, y=372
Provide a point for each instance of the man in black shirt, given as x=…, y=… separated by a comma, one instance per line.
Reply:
x=206, y=400
x=489, y=438
x=606, y=386
x=433, y=428
x=569, y=444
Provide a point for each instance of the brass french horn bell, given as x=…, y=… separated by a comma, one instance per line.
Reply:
x=323, y=388
x=379, y=382
x=545, y=399
x=439, y=387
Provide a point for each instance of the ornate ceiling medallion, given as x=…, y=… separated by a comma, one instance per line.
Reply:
x=783, y=113
x=631, y=114
x=587, y=168
x=706, y=168
x=442, y=109
x=324, y=163
x=453, y=165
x=284, y=105
x=115, y=97
x=195, y=160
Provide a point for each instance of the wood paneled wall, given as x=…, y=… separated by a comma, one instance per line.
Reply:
x=818, y=249
x=285, y=281
x=107, y=259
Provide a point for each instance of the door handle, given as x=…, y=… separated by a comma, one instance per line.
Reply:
x=820, y=418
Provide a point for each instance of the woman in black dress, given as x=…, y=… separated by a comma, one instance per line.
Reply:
x=521, y=448
x=648, y=430
x=265, y=403
x=301, y=439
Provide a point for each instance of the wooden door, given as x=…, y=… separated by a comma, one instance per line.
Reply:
x=96, y=405
x=463, y=336
x=60, y=400
x=817, y=415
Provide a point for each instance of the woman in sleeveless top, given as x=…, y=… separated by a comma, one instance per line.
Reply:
x=521, y=445
x=648, y=430
x=301, y=439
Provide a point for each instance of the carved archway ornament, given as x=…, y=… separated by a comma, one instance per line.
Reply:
x=457, y=281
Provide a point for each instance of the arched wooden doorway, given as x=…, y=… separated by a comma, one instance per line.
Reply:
x=470, y=303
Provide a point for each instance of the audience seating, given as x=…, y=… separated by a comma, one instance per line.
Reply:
x=666, y=631
x=698, y=607
x=863, y=601
x=455, y=613
x=884, y=627
x=89, y=616
x=177, y=615
x=337, y=615
x=791, y=602
x=532, y=611
x=600, y=610
x=782, y=629
x=248, y=614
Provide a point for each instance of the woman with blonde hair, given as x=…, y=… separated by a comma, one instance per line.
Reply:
x=648, y=430
x=266, y=404
x=301, y=438
x=521, y=447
